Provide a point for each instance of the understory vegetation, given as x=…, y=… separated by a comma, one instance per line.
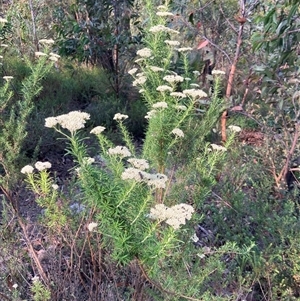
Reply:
x=149, y=150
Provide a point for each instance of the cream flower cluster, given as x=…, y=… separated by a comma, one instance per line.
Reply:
x=173, y=78
x=144, y=52
x=150, y=114
x=164, y=88
x=218, y=72
x=42, y=165
x=72, y=121
x=160, y=105
x=162, y=28
x=178, y=133
x=235, y=128
x=195, y=93
x=164, y=14
x=154, y=180
x=141, y=164
x=97, y=130
x=156, y=69
x=120, y=116
x=217, y=147
x=121, y=151
x=173, y=216
x=172, y=43
x=28, y=169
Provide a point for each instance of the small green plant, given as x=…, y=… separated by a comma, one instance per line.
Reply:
x=39, y=291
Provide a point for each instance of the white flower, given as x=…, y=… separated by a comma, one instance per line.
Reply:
x=218, y=147
x=181, y=107
x=141, y=164
x=164, y=88
x=173, y=78
x=54, y=54
x=194, y=85
x=42, y=165
x=187, y=79
x=120, y=116
x=178, y=94
x=194, y=93
x=3, y=45
x=72, y=121
x=53, y=58
x=162, y=28
x=132, y=174
x=164, y=14
x=122, y=151
x=35, y=279
x=145, y=52
x=39, y=53
x=173, y=216
x=178, y=133
x=150, y=114
x=160, y=104
x=156, y=180
x=88, y=160
x=172, y=43
x=92, y=226
x=235, y=128
x=97, y=130
x=132, y=71
x=55, y=186
x=156, y=69
x=2, y=20
x=46, y=41
x=184, y=49
x=7, y=77
x=15, y=286
x=27, y=169
x=196, y=72
x=217, y=72
x=159, y=212
x=139, y=81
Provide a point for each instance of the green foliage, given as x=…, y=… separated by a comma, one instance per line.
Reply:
x=16, y=110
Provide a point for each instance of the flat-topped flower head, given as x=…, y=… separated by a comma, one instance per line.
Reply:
x=139, y=81
x=218, y=72
x=156, y=69
x=42, y=165
x=120, y=116
x=121, y=151
x=97, y=130
x=8, y=78
x=174, y=216
x=160, y=105
x=72, y=121
x=164, y=14
x=172, y=43
x=162, y=28
x=144, y=52
x=141, y=164
x=173, y=78
x=150, y=114
x=195, y=93
x=184, y=49
x=235, y=128
x=217, y=147
x=181, y=107
x=46, y=41
x=132, y=173
x=132, y=71
x=157, y=181
x=178, y=94
x=178, y=133
x=164, y=88
x=28, y=169
x=39, y=53
x=91, y=226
